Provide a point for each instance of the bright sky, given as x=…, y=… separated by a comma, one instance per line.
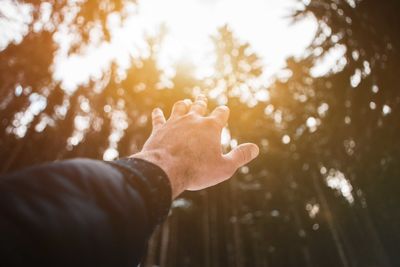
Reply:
x=262, y=23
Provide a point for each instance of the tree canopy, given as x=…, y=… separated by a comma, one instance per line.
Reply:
x=324, y=191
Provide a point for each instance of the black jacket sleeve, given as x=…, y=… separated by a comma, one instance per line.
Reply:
x=81, y=212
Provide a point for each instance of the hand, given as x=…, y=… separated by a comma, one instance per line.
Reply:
x=188, y=146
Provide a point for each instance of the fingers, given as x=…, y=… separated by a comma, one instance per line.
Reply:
x=242, y=155
x=180, y=108
x=158, y=118
x=184, y=106
x=221, y=115
x=200, y=105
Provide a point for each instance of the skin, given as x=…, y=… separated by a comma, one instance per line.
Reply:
x=187, y=146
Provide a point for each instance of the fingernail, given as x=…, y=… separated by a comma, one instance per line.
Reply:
x=188, y=102
x=156, y=110
x=201, y=102
x=202, y=97
x=225, y=108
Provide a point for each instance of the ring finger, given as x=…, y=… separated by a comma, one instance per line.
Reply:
x=200, y=105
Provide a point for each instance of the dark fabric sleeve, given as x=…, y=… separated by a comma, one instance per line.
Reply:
x=81, y=213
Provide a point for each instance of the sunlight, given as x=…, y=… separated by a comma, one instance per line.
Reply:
x=336, y=180
x=264, y=24
x=190, y=23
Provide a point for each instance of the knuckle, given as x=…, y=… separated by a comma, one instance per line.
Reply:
x=243, y=154
x=191, y=116
x=223, y=108
x=158, y=120
x=180, y=103
x=211, y=122
x=188, y=102
x=222, y=111
x=202, y=97
x=157, y=116
x=179, y=106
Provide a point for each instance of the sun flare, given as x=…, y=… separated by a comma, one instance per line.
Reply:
x=189, y=24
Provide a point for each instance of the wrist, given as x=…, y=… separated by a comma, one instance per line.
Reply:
x=165, y=162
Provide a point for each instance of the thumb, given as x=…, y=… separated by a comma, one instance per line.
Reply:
x=242, y=154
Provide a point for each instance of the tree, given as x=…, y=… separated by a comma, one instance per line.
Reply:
x=324, y=191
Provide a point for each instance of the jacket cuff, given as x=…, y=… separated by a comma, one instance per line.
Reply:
x=152, y=182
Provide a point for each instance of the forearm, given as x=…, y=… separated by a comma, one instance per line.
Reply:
x=81, y=211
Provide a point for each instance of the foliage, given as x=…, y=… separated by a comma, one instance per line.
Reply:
x=324, y=191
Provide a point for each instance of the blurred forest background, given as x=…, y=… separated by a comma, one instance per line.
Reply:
x=325, y=189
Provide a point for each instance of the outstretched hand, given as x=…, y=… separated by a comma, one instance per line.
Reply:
x=187, y=146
